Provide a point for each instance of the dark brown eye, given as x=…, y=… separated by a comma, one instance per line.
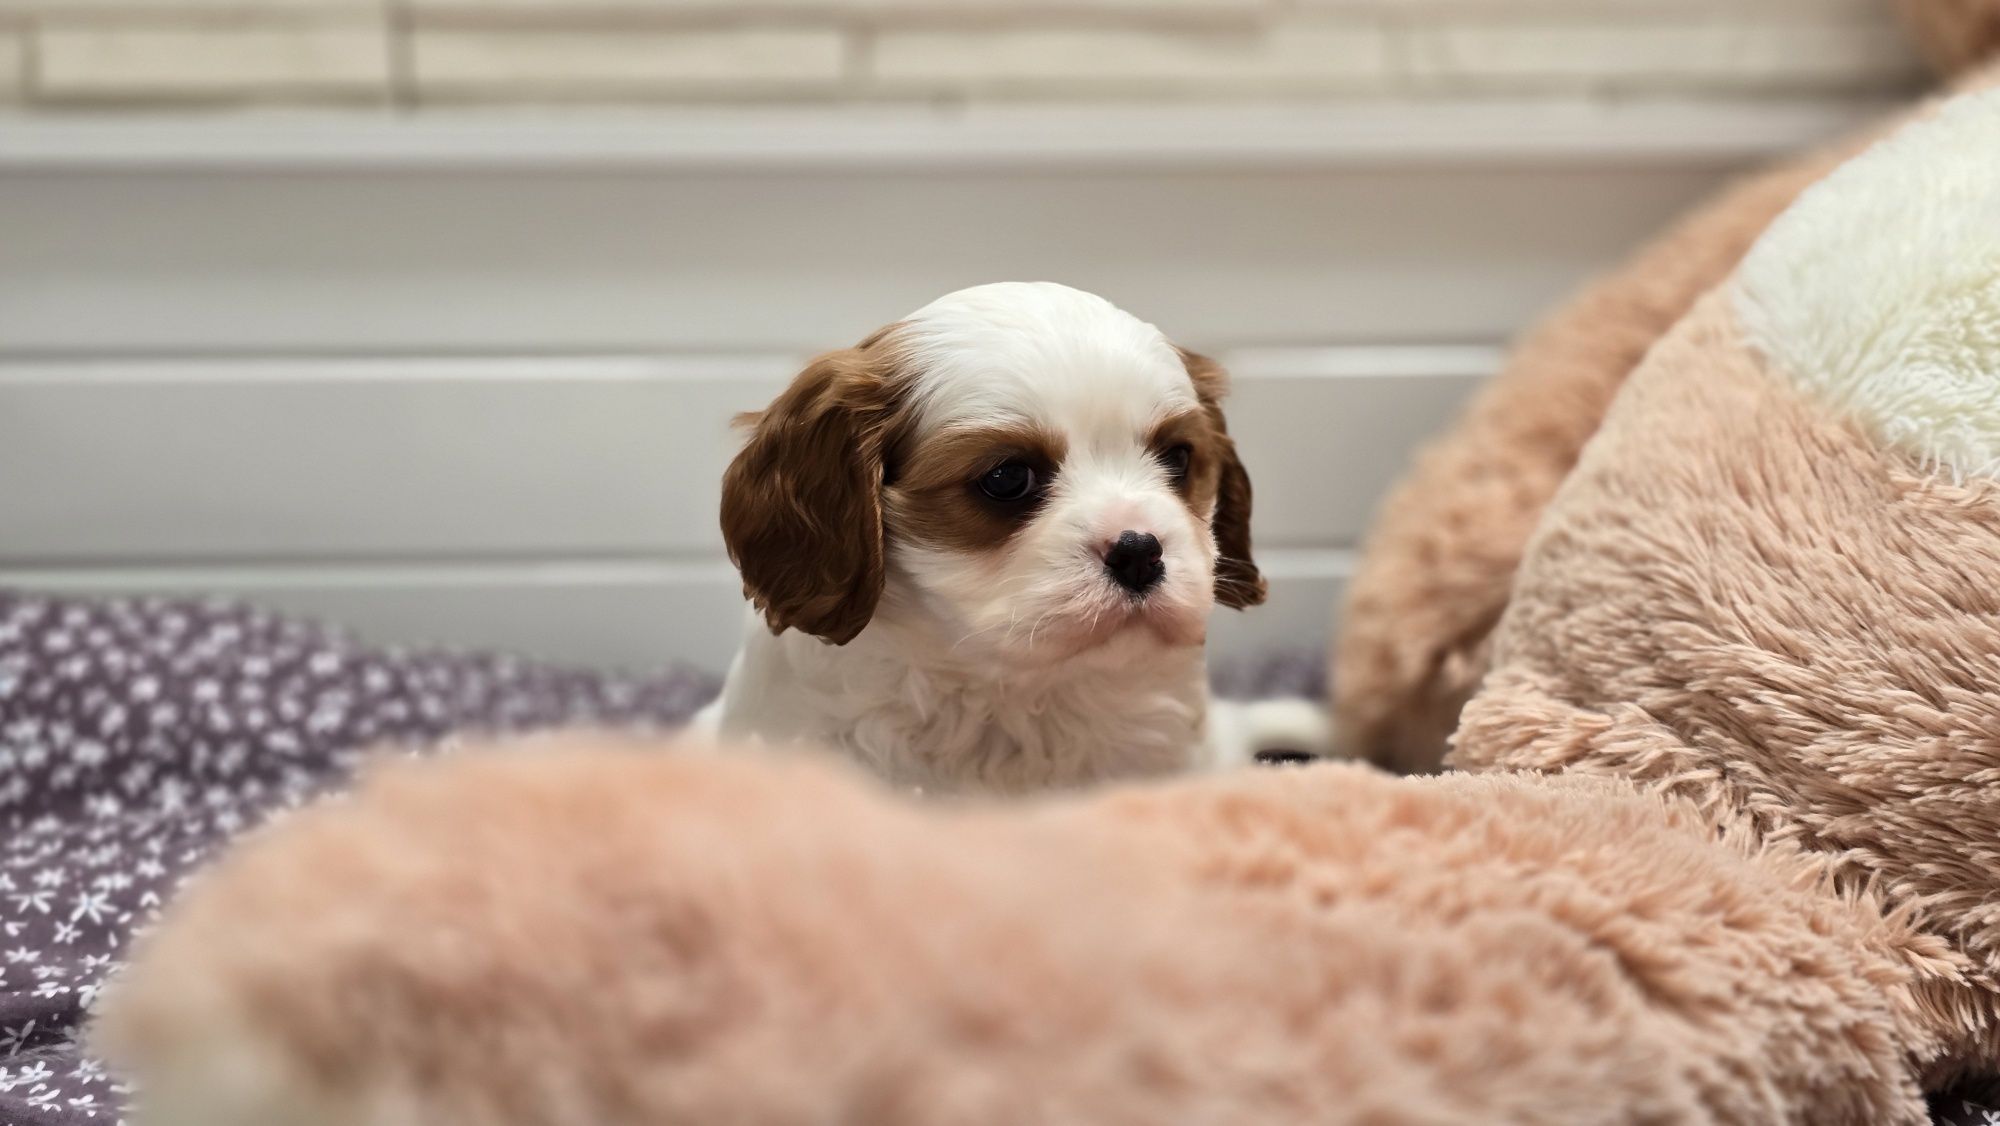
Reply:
x=1176, y=461
x=1010, y=481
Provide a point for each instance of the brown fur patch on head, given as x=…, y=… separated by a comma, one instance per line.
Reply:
x=802, y=503
x=1954, y=34
x=1238, y=582
x=933, y=494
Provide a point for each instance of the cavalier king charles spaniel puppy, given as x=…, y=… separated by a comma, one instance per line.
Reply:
x=981, y=548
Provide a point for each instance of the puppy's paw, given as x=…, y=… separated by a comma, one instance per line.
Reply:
x=1287, y=731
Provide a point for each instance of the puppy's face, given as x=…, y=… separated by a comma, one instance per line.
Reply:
x=1024, y=467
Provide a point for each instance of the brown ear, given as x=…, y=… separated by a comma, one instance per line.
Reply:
x=1238, y=583
x=802, y=503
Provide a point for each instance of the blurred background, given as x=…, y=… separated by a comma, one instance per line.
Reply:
x=427, y=316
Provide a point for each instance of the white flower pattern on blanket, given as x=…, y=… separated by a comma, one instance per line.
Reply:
x=137, y=736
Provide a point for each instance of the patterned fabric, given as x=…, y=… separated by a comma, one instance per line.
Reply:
x=137, y=736
x=1963, y=1112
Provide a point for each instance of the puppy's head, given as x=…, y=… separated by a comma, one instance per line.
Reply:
x=1026, y=469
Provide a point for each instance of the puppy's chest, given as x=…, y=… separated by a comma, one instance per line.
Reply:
x=946, y=734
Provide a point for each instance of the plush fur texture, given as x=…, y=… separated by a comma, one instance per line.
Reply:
x=953, y=642
x=620, y=936
x=1439, y=561
x=1956, y=34
x=1763, y=587
x=1741, y=602
x=1896, y=325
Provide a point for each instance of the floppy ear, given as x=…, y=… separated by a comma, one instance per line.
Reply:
x=1238, y=583
x=802, y=503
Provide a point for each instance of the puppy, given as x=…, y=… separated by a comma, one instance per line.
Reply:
x=981, y=548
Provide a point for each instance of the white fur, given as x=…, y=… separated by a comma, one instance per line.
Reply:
x=1880, y=289
x=1027, y=667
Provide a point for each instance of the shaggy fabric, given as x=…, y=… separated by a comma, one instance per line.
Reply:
x=582, y=933
x=1440, y=560
x=1748, y=605
x=1747, y=594
x=1894, y=326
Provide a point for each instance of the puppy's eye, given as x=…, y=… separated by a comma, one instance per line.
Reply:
x=1176, y=461
x=1009, y=481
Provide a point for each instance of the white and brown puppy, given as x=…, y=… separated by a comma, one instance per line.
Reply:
x=982, y=546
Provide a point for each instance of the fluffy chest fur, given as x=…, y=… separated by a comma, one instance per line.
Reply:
x=921, y=719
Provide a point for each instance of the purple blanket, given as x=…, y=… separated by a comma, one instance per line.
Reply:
x=137, y=736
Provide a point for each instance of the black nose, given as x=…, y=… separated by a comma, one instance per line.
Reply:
x=1135, y=562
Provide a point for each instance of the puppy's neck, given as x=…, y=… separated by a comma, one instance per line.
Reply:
x=921, y=709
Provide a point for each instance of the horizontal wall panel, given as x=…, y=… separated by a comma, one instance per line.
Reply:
x=330, y=460
x=1307, y=587
x=807, y=141
x=625, y=615
x=622, y=615
x=431, y=260
x=298, y=460
x=1325, y=431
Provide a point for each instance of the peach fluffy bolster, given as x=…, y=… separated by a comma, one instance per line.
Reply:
x=601, y=932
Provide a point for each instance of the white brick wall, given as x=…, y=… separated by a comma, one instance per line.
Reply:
x=341, y=58
x=927, y=10
x=1059, y=62
x=13, y=65
x=523, y=64
x=1716, y=51
x=418, y=53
